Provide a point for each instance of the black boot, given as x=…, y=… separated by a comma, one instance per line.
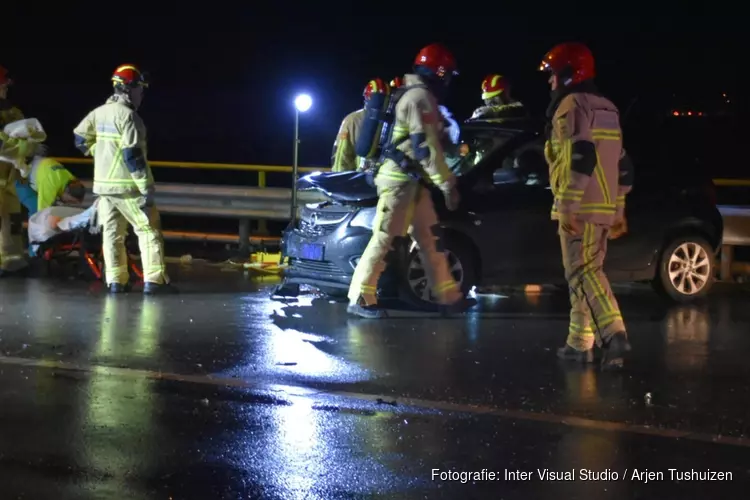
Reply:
x=150, y=288
x=614, y=351
x=567, y=353
x=118, y=288
x=361, y=309
x=15, y=267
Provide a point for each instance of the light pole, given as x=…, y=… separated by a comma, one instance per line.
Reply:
x=302, y=103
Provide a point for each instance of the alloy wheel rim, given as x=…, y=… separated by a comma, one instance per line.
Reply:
x=418, y=279
x=689, y=268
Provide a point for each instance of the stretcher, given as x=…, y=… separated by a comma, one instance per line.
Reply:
x=74, y=238
x=64, y=248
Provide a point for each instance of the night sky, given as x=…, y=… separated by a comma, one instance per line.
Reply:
x=223, y=84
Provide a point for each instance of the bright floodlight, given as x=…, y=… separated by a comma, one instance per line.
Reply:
x=303, y=102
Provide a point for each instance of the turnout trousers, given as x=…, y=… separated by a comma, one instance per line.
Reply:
x=403, y=209
x=11, y=223
x=594, y=312
x=115, y=212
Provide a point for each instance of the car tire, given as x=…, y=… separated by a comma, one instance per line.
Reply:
x=461, y=261
x=690, y=257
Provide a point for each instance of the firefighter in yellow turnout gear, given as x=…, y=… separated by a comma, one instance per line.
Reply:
x=11, y=225
x=405, y=205
x=589, y=177
x=114, y=134
x=344, y=158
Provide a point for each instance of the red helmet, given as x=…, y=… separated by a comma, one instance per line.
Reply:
x=396, y=82
x=437, y=59
x=493, y=85
x=129, y=76
x=376, y=86
x=4, y=80
x=573, y=62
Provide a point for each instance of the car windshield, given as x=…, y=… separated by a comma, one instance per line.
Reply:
x=476, y=144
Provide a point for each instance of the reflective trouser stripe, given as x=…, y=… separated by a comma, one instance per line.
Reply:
x=594, y=308
x=115, y=212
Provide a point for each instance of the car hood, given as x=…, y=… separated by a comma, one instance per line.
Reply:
x=343, y=187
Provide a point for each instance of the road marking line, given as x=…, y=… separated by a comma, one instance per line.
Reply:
x=403, y=403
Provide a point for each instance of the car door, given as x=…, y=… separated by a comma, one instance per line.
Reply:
x=517, y=241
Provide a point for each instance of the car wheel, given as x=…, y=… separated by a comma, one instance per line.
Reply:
x=686, y=269
x=415, y=288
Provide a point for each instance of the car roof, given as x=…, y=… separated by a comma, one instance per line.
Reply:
x=509, y=124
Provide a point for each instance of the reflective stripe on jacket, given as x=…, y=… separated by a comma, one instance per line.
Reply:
x=344, y=156
x=417, y=129
x=586, y=185
x=114, y=134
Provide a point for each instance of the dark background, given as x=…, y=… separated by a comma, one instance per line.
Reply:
x=223, y=82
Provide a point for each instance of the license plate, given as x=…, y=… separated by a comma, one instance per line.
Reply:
x=311, y=251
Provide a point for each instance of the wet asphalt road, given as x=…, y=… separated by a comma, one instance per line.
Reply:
x=221, y=393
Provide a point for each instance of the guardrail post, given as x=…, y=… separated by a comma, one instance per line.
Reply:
x=244, y=238
x=262, y=224
x=725, y=268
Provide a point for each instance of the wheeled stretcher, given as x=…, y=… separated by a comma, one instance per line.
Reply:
x=73, y=237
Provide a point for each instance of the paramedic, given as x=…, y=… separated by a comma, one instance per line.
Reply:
x=48, y=184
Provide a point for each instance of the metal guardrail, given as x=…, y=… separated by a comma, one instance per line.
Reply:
x=262, y=203
x=224, y=201
x=240, y=203
x=732, y=182
x=736, y=234
x=245, y=215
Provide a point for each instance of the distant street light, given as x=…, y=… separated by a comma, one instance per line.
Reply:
x=302, y=103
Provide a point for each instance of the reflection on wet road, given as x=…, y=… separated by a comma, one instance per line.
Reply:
x=221, y=393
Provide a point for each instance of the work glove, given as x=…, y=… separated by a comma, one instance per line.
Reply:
x=619, y=228
x=452, y=198
x=569, y=224
x=94, y=226
x=146, y=200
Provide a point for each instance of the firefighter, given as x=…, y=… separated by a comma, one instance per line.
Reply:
x=344, y=157
x=498, y=104
x=11, y=224
x=413, y=156
x=451, y=129
x=589, y=180
x=115, y=135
